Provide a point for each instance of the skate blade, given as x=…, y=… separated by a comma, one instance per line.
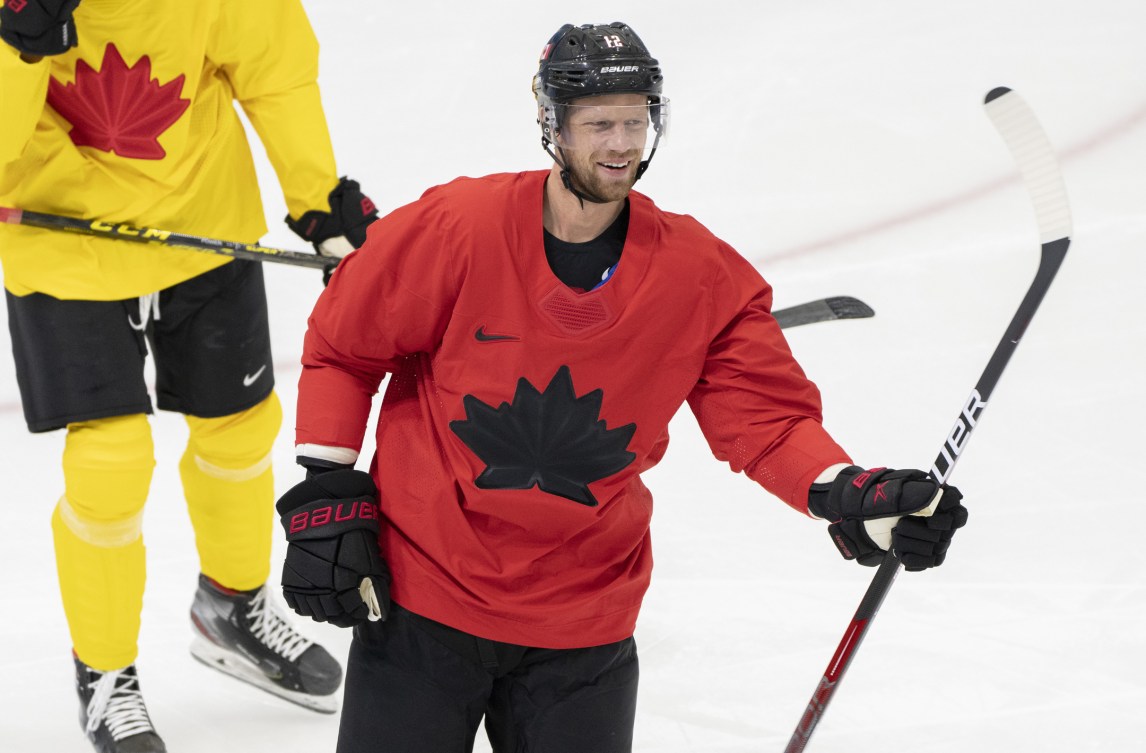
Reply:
x=231, y=664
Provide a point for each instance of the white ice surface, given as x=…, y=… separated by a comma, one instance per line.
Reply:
x=841, y=147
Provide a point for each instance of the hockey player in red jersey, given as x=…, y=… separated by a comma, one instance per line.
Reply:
x=540, y=329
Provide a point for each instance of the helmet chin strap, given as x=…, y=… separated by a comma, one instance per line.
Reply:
x=567, y=179
x=582, y=196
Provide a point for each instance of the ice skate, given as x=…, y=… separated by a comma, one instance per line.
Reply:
x=112, y=711
x=242, y=634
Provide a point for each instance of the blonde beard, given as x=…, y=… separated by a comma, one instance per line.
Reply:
x=594, y=188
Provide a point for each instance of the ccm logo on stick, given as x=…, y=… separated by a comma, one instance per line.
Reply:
x=359, y=510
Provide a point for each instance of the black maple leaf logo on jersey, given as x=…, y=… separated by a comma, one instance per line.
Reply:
x=553, y=440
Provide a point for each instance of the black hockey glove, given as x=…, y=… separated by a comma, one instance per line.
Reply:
x=870, y=510
x=341, y=230
x=38, y=27
x=334, y=570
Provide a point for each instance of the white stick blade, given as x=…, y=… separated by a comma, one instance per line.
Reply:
x=1036, y=159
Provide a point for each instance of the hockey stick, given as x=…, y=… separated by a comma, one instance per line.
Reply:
x=125, y=232
x=1036, y=161
x=823, y=310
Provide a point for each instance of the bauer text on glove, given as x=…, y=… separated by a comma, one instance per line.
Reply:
x=334, y=570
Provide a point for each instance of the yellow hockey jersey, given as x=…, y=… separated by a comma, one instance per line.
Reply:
x=137, y=124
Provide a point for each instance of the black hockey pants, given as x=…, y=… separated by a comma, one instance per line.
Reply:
x=416, y=686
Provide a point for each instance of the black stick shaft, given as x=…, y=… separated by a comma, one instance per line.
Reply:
x=126, y=232
x=1052, y=257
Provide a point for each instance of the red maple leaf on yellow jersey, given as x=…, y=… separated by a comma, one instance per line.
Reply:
x=119, y=108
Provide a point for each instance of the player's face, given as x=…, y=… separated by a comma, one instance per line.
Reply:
x=603, y=140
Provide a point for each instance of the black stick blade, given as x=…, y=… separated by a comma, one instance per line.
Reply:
x=846, y=307
x=823, y=310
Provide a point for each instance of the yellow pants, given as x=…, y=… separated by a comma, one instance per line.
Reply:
x=98, y=523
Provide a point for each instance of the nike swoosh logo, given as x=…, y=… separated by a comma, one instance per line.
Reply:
x=482, y=337
x=250, y=379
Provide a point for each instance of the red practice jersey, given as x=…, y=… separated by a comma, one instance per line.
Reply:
x=520, y=414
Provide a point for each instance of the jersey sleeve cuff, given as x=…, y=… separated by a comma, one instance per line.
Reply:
x=337, y=455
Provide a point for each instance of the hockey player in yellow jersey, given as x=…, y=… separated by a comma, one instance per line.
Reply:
x=124, y=110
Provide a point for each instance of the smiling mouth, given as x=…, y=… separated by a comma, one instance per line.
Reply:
x=615, y=166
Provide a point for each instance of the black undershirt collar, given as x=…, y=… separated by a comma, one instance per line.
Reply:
x=581, y=266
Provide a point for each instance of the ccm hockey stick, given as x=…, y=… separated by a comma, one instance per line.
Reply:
x=125, y=232
x=823, y=310
x=1036, y=161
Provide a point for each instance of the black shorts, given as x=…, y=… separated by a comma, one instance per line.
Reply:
x=83, y=360
x=417, y=686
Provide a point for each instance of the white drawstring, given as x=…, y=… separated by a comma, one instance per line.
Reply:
x=148, y=310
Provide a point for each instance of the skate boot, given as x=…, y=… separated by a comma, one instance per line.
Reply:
x=112, y=712
x=242, y=634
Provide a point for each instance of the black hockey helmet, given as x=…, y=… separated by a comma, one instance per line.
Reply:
x=582, y=61
x=590, y=60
